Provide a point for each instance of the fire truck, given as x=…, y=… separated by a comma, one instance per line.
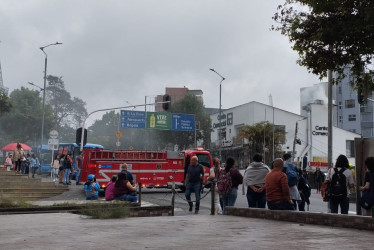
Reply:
x=149, y=168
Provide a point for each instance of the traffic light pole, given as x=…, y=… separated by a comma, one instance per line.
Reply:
x=93, y=112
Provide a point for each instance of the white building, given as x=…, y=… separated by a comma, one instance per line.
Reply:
x=311, y=130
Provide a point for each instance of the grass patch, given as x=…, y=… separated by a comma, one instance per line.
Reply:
x=12, y=202
x=105, y=212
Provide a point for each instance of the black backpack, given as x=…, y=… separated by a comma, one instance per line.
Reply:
x=338, y=184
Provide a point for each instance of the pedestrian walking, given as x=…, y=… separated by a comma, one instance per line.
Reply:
x=55, y=165
x=254, y=180
x=68, y=167
x=228, y=182
x=61, y=170
x=213, y=174
x=292, y=173
x=193, y=182
x=367, y=199
x=340, y=180
x=319, y=178
x=9, y=162
x=78, y=164
x=304, y=190
x=28, y=164
x=34, y=165
x=18, y=157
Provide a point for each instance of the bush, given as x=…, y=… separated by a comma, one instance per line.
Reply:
x=105, y=212
x=11, y=202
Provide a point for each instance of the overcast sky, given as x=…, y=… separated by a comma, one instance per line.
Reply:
x=117, y=52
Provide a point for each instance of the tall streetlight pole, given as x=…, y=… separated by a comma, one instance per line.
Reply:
x=220, y=114
x=45, y=82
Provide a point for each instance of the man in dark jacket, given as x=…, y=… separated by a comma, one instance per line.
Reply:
x=194, y=182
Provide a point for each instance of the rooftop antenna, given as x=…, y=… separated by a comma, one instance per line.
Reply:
x=271, y=100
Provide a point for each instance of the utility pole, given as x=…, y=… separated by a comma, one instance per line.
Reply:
x=329, y=121
x=294, y=142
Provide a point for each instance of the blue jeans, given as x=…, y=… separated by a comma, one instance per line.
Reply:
x=342, y=201
x=78, y=175
x=257, y=200
x=229, y=199
x=66, y=175
x=281, y=205
x=127, y=197
x=193, y=187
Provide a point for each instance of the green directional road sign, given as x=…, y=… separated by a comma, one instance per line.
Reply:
x=159, y=120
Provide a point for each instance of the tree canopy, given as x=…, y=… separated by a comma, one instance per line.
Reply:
x=260, y=138
x=5, y=104
x=23, y=122
x=190, y=104
x=331, y=35
x=68, y=111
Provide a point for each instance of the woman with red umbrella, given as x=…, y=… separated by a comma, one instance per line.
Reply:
x=18, y=157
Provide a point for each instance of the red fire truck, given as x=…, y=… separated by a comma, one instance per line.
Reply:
x=150, y=168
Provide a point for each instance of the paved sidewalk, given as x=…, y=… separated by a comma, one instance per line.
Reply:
x=71, y=231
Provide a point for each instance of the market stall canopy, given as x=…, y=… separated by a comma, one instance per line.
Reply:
x=13, y=146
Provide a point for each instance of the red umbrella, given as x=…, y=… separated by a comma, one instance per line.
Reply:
x=13, y=146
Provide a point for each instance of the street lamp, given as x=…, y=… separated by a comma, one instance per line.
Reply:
x=31, y=83
x=220, y=110
x=45, y=80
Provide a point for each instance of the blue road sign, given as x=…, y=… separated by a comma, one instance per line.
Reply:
x=183, y=122
x=133, y=119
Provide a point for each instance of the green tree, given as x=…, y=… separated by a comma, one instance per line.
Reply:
x=260, y=137
x=330, y=35
x=103, y=131
x=68, y=111
x=5, y=104
x=23, y=122
x=190, y=104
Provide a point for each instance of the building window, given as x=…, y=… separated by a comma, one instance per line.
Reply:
x=340, y=105
x=340, y=118
x=340, y=89
x=350, y=148
x=351, y=118
x=349, y=103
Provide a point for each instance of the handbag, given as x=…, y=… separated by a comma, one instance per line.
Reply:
x=208, y=184
x=367, y=198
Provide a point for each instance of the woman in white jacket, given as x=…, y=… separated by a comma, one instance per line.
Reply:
x=55, y=166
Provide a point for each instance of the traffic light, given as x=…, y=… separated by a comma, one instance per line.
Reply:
x=167, y=102
x=360, y=96
x=78, y=137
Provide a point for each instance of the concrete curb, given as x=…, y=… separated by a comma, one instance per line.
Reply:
x=333, y=220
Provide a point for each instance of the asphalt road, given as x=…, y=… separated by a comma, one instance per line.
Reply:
x=164, y=197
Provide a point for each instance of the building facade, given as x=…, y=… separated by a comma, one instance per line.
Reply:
x=304, y=135
x=176, y=94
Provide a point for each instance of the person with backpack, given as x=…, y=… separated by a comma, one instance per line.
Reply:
x=292, y=173
x=34, y=165
x=277, y=189
x=228, y=182
x=304, y=190
x=367, y=198
x=194, y=182
x=254, y=180
x=339, y=180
